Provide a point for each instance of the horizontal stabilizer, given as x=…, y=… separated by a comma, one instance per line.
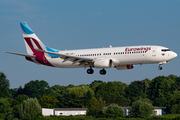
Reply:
x=25, y=55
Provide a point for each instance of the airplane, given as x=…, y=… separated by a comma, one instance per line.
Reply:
x=121, y=58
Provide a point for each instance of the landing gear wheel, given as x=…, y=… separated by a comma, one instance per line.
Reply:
x=160, y=68
x=90, y=71
x=102, y=72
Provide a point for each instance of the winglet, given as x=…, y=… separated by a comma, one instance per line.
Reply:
x=25, y=28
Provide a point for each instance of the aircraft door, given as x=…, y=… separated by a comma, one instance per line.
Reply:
x=153, y=51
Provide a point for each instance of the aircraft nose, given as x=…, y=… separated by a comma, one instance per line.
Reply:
x=174, y=55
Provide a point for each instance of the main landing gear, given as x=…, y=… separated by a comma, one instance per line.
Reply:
x=102, y=72
x=160, y=68
x=91, y=71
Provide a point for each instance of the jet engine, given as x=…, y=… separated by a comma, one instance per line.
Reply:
x=103, y=63
x=124, y=67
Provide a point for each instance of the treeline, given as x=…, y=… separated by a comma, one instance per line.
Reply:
x=162, y=91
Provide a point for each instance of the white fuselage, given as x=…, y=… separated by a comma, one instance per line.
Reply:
x=129, y=55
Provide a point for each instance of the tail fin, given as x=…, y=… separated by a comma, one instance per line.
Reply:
x=30, y=39
x=33, y=43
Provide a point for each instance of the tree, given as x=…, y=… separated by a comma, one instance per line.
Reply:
x=88, y=97
x=48, y=101
x=75, y=97
x=173, y=102
x=4, y=107
x=70, y=101
x=79, y=91
x=95, y=106
x=135, y=91
x=4, y=85
x=160, y=89
x=96, y=83
x=57, y=90
x=30, y=109
x=112, y=92
x=36, y=89
x=20, y=90
x=113, y=111
x=120, y=100
x=13, y=92
x=141, y=109
x=18, y=100
x=175, y=109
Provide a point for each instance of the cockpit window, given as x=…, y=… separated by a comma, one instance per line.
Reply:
x=164, y=50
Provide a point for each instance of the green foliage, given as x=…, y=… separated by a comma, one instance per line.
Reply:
x=57, y=90
x=30, y=109
x=48, y=101
x=77, y=117
x=171, y=117
x=4, y=86
x=175, y=109
x=95, y=106
x=112, y=92
x=20, y=90
x=160, y=90
x=70, y=101
x=145, y=100
x=75, y=97
x=36, y=89
x=155, y=117
x=4, y=107
x=141, y=109
x=113, y=111
x=13, y=92
x=95, y=84
x=173, y=102
x=135, y=91
x=79, y=91
x=18, y=100
x=88, y=96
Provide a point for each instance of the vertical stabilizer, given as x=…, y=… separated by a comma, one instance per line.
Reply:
x=33, y=43
x=30, y=36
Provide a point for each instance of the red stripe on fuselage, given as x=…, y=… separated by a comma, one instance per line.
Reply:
x=40, y=57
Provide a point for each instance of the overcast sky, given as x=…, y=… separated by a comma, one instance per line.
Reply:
x=80, y=24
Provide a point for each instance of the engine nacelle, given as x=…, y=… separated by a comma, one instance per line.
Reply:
x=124, y=67
x=103, y=63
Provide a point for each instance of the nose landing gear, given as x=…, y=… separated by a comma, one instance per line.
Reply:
x=160, y=68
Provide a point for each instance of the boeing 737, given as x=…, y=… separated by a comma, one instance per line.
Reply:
x=121, y=58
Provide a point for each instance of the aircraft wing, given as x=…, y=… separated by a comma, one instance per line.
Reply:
x=74, y=59
x=25, y=55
